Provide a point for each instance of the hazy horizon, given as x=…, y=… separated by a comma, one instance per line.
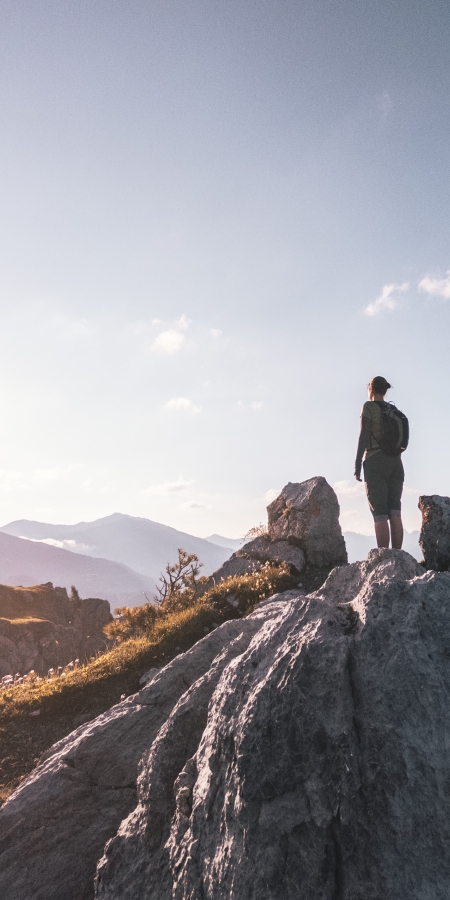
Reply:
x=219, y=222
x=235, y=538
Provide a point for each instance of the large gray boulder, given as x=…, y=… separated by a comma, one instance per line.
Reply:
x=303, y=532
x=435, y=534
x=253, y=556
x=307, y=515
x=53, y=829
x=267, y=551
x=300, y=753
x=322, y=767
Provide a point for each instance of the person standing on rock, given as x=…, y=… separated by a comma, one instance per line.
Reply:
x=383, y=437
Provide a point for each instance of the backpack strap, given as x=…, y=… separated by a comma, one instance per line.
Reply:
x=378, y=402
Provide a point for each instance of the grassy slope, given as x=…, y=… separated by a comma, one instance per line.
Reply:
x=38, y=602
x=64, y=703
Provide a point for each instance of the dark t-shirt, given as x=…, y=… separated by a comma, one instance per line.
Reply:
x=371, y=432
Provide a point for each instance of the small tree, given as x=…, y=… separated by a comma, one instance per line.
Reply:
x=177, y=591
x=132, y=623
x=179, y=584
x=74, y=595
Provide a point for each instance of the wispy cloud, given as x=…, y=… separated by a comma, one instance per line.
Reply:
x=10, y=480
x=388, y=299
x=168, y=341
x=183, y=404
x=438, y=287
x=168, y=487
x=343, y=488
x=197, y=506
x=61, y=545
x=255, y=404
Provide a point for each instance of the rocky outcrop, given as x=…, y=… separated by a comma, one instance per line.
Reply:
x=298, y=753
x=265, y=550
x=236, y=565
x=41, y=628
x=60, y=819
x=307, y=515
x=435, y=534
x=303, y=532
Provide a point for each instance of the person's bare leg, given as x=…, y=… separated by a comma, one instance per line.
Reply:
x=382, y=533
x=396, y=532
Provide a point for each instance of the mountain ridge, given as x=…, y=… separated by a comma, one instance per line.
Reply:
x=142, y=546
x=27, y=563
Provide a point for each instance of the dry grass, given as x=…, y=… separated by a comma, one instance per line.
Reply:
x=26, y=620
x=23, y=602
x=65, y=702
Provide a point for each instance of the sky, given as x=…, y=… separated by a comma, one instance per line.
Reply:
x=219, y=219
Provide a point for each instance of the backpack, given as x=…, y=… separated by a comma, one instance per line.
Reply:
x=395, y=436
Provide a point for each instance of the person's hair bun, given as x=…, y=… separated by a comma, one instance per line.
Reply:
x=379, y=385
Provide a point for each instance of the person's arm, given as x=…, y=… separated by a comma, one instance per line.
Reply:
x=363, y=444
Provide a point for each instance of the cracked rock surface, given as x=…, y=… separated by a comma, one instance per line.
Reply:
x=41, y=627
x=307, y=514
x=322, y=769
x=303, y=531
x=435, y=533
x=298, y=754
x=54, y=827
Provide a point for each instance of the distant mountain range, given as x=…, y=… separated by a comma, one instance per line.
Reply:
x=119, y=558
x=358, y=545
x=221, y=541
x=129, y=554
x=25, y=562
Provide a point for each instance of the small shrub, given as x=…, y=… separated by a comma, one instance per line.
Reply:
x=244, y=592
x=178, y=591
x=132, y=623
x=179, y=585
x=256, y=532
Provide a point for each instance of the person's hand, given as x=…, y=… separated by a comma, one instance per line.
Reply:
x=358, y=477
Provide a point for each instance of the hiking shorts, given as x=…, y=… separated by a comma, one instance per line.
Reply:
x=384, y=477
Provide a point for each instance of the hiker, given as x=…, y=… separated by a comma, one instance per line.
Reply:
x=383, y=437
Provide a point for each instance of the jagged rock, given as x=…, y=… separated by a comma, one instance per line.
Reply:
x=256, y=553
x=307, y=514
x=235, y=566
x=304, y=532
x=255, y=549
x=298, y=754
x=435, y=534
x=147, y=677
x=264, y=550
x=60, y=818
x=41, y=628
x=321, y=769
